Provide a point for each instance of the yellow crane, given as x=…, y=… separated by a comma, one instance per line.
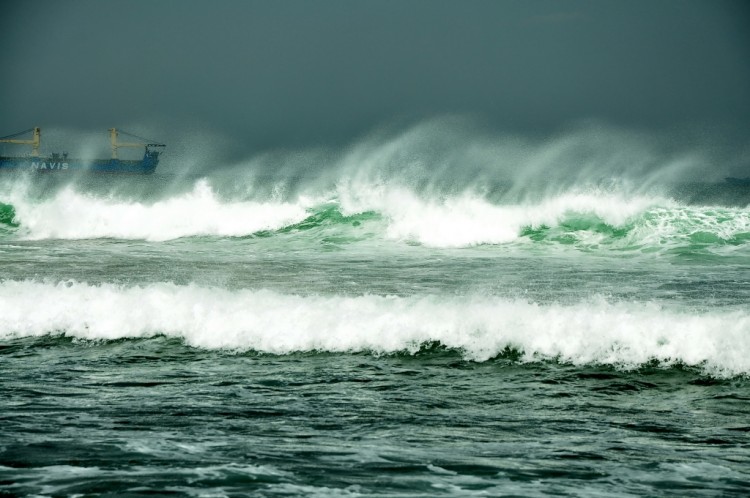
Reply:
x=34, y=142
x=113, y=133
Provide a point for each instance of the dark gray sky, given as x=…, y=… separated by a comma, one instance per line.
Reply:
x=282, y=73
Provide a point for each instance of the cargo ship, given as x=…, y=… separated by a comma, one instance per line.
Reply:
x=60, y=162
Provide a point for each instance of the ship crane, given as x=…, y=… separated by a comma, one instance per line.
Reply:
x=34, y=142
x=114, y=133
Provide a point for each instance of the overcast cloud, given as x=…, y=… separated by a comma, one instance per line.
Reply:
x=298, y=73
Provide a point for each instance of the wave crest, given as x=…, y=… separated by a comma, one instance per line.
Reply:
x=587, y=218
x=73, y=215
x=592, y=332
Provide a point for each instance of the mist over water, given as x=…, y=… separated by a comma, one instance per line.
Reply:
x=442, y=183
x=431, y=311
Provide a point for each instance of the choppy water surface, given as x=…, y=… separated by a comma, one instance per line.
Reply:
x=147, y=415
x=373, y=337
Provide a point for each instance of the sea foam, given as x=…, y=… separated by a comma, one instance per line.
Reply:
x=75, y=215
x=625, y=334
x=427, y=218
x=469, y=219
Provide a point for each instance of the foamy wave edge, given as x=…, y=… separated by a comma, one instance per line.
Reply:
x=623, y=334
x=462, y=220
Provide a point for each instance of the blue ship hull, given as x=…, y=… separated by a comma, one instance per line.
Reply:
x=57, y=164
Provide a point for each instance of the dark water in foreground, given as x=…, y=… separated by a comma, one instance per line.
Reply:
x=373, y=340
x=153, y=416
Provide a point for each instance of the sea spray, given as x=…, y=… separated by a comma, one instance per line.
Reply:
x=455, y=153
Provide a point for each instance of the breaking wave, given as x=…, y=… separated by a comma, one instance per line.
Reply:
x=593, y=218
x=73, y=215
x=624, y=334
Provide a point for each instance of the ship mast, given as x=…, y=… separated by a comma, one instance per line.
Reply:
x=34, y=142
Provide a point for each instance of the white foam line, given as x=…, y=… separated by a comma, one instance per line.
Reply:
x=625, y=334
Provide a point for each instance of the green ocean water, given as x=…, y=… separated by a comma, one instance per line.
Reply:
x=204, y=336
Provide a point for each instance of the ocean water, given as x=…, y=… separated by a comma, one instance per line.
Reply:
x=341, y=334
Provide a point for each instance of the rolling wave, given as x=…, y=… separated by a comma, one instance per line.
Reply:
x=623, y=334
x=592, y=219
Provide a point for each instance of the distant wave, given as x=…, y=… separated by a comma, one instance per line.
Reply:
x=586, y=219
x=591, y=332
